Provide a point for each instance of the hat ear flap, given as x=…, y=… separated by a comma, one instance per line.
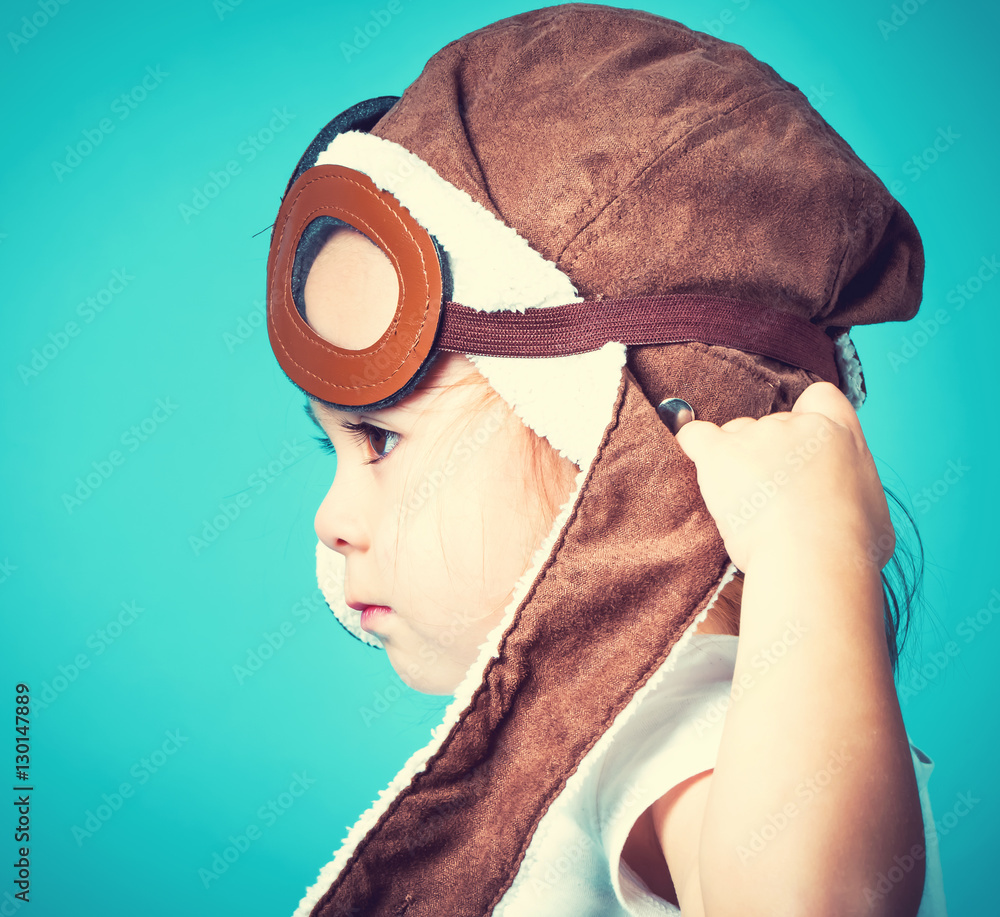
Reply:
x=361, y=117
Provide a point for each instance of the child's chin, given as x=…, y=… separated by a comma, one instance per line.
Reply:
x=426, y=679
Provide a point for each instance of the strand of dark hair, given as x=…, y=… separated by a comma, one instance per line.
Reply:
x=906, y=569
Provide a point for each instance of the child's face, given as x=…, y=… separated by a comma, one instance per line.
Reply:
x=435, y=518
x=439, y=529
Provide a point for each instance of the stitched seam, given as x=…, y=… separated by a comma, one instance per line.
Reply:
x=634, y=687
x=556, y=790
x=472, y=147
x=758, y=374
x=828, y=298
x=651, y=164
x=480, y=696
x=301, y=333
x=478, y=699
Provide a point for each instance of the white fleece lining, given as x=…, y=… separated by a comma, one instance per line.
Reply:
x=494, y=269
x=569, y=400
x=463, y=696
x=331, y=568
x=849, y=367
x=565, y=399
x=462, y=699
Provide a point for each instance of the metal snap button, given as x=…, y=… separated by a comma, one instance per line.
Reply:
x=675, y=412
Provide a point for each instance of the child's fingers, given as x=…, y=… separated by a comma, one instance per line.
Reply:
x=825, y=398
x=695, y=437
x=699, y=438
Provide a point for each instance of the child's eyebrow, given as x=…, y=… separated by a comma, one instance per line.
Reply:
x=310, y=405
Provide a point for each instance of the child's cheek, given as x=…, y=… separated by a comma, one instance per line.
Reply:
x=407, y=542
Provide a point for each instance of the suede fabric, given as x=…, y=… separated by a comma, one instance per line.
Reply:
x=642, y=158
x=638, y=560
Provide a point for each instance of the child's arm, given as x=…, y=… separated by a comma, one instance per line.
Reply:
x=813, y=794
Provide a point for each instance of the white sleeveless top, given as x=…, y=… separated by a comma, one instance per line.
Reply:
x=573, y=864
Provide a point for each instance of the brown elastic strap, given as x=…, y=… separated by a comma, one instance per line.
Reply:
x=580, y=327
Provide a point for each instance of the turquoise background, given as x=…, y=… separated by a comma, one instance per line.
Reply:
x=154, y=698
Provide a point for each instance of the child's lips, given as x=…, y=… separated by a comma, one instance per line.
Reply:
x=370, y=614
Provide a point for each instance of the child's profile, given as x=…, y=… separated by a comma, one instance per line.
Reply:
x=456, y=560
x=666, y=635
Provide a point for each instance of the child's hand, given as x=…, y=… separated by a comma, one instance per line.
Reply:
x=804, y=474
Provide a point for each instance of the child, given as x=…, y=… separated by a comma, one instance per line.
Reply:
x=573, y=312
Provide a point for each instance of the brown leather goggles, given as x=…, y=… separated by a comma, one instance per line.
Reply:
x=320, y=198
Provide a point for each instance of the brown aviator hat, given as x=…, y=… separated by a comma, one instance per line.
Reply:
x=605, y=209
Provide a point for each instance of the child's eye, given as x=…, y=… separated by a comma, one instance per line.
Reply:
x=382, y=442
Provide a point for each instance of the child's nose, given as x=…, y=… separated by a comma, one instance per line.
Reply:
x=339, y=524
